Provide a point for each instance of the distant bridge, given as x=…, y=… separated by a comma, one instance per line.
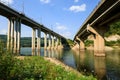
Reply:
x=14, y=31
x=104, y=14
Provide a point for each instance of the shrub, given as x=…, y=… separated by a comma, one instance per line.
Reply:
x=89, y=42
x=33, y=68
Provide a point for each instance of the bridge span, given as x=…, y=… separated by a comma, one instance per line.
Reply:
x=14, y=31
x=106, y=12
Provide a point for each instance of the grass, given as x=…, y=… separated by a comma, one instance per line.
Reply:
x=33, y=68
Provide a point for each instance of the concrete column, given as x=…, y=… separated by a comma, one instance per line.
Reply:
x=57, y=41
x=60, y=42
x=12, y=35
x=81, y=45
x=45, y=40
x=99, y=44
x=9, y=34
x=15, y=36
x=18, y=36
x=38, y=41
x=33, y=41
x=49, y=47
x=53, y=42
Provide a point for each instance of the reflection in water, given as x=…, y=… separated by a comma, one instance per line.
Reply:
x=100, y=67
x=83, y=63
x=104, y=68
x=52, y=53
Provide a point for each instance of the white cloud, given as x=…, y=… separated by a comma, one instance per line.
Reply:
x=7, y=1
x=63, y=30
x=60, y=27
x=45, y=1
x=80, y=8
x=76, y=1
x=66, y=34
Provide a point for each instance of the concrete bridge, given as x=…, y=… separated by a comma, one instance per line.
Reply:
x=14, y=31
x=97, y=23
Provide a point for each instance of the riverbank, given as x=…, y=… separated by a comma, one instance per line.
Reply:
x=107, y=48
x=55, y=69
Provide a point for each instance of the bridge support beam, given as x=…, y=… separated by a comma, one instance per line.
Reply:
x=9, y=34
x=45, y=40
x=38, y=41
x=99, y=43
x=49, y=42
x=56, y=43
x=33, y=41
x=60, y=44
x=18, y=35
x=14, y=34
x=81, y=44
x=53, y=42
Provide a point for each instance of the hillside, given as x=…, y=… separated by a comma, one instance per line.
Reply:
x=25, y=41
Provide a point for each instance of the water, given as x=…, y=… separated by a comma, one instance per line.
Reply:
x=104, y=68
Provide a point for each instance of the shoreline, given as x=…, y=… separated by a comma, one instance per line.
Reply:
x=56, y=62
x=59, y=63
x=107, y=48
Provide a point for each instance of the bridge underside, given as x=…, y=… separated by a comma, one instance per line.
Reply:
x=97, y=24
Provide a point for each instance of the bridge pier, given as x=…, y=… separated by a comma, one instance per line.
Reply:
x=99, y=43
x=18, y=35
x=9, y=34
x=60, y=44
x=14, y=34
x=56, y=43
x=38, y=41
x=33, y=41
x=45, y=40
x=49, y=41
x=53, y=41
x=81, y=44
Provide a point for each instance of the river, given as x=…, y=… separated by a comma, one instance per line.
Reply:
x=103, y=68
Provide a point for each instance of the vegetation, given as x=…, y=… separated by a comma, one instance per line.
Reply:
x=112, y=43
x=70, y=42
x=113, y=29
x=25, y=41
x=88, y=43
x=33, y=68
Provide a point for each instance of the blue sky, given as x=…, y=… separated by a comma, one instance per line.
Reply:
x=62, y=16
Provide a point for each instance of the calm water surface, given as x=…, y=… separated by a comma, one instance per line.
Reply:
x=104, y=68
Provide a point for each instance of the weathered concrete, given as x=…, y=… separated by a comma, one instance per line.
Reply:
x=49, y=42
x=81, y=44
x=18, y=35
x=53, y=42
x=99, y=43
x=45, y=40
x=14, y=29
x=56, y=43
x=104, y=14
x=38, y=40
x=33, y=41
x=12, y=34
x=9, y=34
